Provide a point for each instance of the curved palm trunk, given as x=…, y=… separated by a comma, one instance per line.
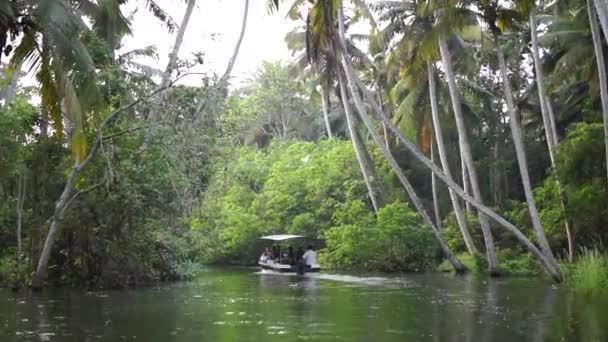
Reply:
x=326, y=105
x=522, y=160
x=468, y=156
x=356, y=85
x=433, y=186
x=171, y=65
x=443, y=157
x=549, y=124
x=465, y=179
x=458, y=266
x=599, y=55
x=358, y=146
x=601, y=7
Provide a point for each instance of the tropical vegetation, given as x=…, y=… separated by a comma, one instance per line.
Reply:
x=468, y=133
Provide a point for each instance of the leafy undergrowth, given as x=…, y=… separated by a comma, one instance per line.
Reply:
x=510, y=263
x=589, y=273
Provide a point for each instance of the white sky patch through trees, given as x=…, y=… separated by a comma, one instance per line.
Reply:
x=213, y=29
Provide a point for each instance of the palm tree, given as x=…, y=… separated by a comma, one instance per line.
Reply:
x=490, y=12
x=465, y=148
x=599, y=55
x=548, y=121
x=404, y=18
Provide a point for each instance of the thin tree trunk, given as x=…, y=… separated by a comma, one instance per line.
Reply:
x=172, y=64
x=458, y=266
x=465, y=179
x=356, y=85
x=223, y=81
x=357, y=145
x=549, y=125
x=443, y=157
x=601, y=7
x=433, y=187
x=466, y=152
x=522, y=160
x=599, y=55
x=19, y=212
x=541, y=89
x=325, y=103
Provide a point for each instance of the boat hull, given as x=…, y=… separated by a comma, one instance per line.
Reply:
x=283, y=268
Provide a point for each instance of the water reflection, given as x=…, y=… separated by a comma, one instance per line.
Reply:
x=240, y=305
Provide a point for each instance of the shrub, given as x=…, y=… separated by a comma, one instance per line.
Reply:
x=394, y=241
x=589, y=274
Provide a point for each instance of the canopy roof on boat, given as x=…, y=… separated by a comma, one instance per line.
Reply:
x=281, y=237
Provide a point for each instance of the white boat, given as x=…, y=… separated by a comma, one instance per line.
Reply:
x=278, y=265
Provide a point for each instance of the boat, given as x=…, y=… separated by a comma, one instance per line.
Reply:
x=280, y=265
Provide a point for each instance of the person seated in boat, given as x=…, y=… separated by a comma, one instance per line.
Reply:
x=310, y=257
x=291, y=257
x=275, y=253
x=266, y=255
x=300, y=263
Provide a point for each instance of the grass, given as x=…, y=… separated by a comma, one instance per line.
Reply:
x=589, y=273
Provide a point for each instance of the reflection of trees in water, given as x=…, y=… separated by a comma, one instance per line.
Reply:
x=546, y=312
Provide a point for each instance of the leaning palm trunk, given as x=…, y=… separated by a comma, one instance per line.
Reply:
x=356, y=85
x=549, y=124
x=443, y=157
x=465, y=179
x=458, y=266
x=601, y=7
x=172, y=64
x=358, y=146
x=467, y=154
x=433, y=187
x=521, y=158
x=599, y=55
x=326, y=105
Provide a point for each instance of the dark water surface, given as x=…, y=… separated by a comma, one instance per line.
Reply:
x=242, y=305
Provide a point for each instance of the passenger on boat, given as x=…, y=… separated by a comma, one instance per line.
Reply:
x=300, y=263
x=276, y=252
x=310, y=257
x=291, y=258
x=267, y=255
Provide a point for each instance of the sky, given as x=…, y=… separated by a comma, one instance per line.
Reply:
x=213, y=29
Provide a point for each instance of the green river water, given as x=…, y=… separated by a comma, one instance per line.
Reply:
x=239, y=304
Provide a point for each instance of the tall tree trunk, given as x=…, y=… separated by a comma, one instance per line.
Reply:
x=443, y=157
x=433, y=187
x=19, y=212
x=358, y=146
x=546, y=109
x=223, y=81
x=341, y=41
x=325, y=103
x=521, y=157
x=601, y=67
x=468, y=156
x=172, y=64
x=465, y=179
x=601, y=7
x=356, y=86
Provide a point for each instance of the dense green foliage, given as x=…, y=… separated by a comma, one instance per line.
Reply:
x=213, y=168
